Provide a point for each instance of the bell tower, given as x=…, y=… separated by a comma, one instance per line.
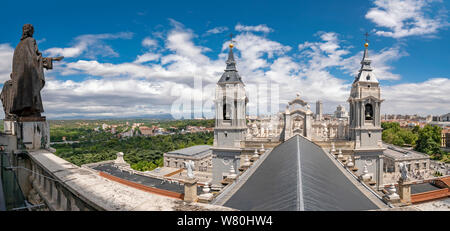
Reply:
x=231, y=126
x=365, y=122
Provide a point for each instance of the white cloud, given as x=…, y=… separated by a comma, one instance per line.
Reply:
x=217, y=30
x=148, y=42
x=6, y=55
x=90, y=45
x=405, y=18
x=256, y=51
x=147, y=57
x=161, y=76
x=259, y=28
x=424, y=98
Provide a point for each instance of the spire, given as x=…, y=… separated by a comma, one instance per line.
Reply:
x=365, y=72
x=365, y=62
x=231, y=63
x=230, y=74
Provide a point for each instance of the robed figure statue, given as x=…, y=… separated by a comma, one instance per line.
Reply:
x=21, y=96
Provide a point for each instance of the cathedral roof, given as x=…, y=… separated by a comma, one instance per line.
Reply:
x=297, y=175
x=365, y=73
x=231, y=74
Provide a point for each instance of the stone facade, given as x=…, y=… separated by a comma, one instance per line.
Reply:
x=202, y=158
x=297, y=119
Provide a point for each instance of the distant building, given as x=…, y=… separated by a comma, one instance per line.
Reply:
x=319, y=110
x=105, y=126
x=340, y=112
x=146, y=131
x=129, y=133
x=200, y=154
x=442, y=118
x=445, y=137
x=416, y=162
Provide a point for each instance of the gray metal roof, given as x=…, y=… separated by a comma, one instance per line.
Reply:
x=297, y=175
x=397, y=153
x=192, y=151
x=231, y=74
x=144, y=180
x=423, y=187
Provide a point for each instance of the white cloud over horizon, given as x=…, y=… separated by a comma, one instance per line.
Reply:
x=169, y=67
x=404, y=18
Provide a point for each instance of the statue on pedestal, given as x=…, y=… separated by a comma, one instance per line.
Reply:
x=190, y=168
x=21, y=96
x=404, y=172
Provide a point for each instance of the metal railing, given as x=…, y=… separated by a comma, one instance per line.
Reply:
x=12, y=193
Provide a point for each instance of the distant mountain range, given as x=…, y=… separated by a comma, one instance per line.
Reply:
x=153, y=116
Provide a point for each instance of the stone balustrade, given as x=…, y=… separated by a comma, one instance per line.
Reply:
x=66, y=187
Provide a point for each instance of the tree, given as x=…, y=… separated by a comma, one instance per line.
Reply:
x=429, y=140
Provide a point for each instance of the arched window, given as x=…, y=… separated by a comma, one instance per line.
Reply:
x=369, y=112
x=226, y=110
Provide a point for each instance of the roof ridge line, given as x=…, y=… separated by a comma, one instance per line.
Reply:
x=300, y=202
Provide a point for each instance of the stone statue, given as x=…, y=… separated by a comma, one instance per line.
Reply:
x=190, y=168
x=21, y=96
x=403, y=171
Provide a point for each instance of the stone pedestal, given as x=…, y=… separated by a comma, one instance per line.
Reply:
x=33, y=133
x=392, y=195
x=404, y=190
x=190, y=190
x=206, y=196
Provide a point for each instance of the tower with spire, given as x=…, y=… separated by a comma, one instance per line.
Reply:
x=365, y=121
x=231, y=126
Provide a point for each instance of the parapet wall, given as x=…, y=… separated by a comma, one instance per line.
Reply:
x=64, y=186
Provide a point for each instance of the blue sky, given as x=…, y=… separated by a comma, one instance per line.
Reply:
x=133, y=58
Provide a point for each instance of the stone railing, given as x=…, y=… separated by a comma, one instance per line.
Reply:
x=67, y=187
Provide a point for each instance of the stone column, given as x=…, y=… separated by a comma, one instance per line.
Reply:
x=190, y=190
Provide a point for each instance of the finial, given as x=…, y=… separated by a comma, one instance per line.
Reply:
x=231, y=41
x=367, y=40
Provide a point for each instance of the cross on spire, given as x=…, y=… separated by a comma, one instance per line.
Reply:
x=367, y=36
x=231, y=40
